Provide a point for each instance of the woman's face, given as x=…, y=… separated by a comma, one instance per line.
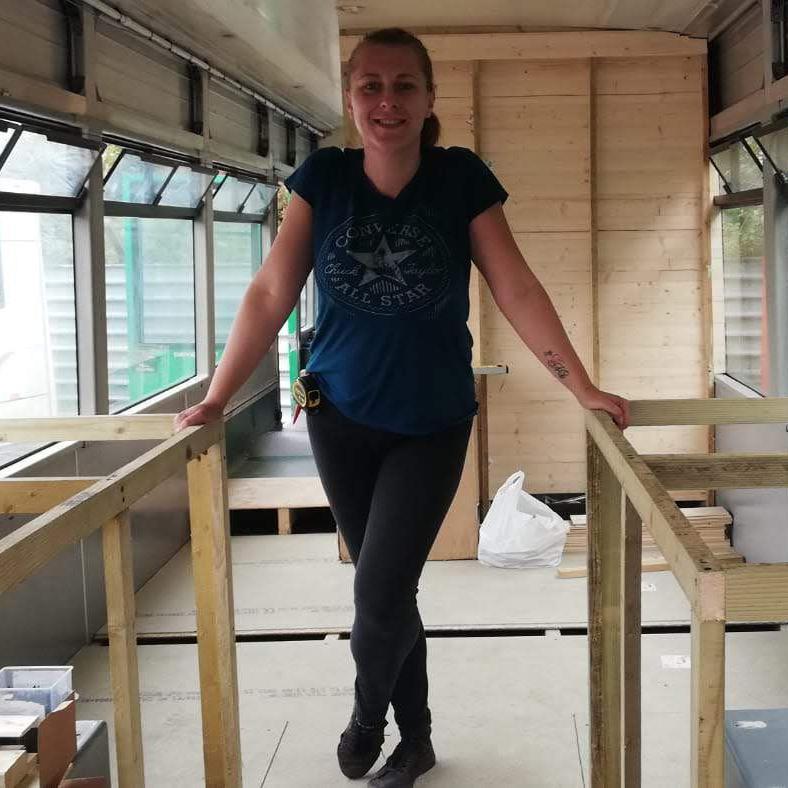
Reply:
x=388, y=97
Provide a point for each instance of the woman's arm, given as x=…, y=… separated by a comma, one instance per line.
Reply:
x=268, y=301
x=526, y=305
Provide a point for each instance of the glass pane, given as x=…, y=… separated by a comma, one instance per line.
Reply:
x=38, y=339
x=738, y=168
x=260, y=198
x=186, y=188
x=109, y=156
x=231, y=195
x=135, y=180
x=5, y=136
x=150, y=306
x=746, y=354
x=776, y=144
x=39, y=166
x=237, y=256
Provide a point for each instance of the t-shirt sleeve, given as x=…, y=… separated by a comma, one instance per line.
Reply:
x=482, y=188
x=313, y=174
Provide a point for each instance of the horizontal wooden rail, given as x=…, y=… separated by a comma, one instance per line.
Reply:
x=675, y=412
x=147, y=426
x=720, y=471
x=31, y=546
x=675, y=536
x=21, y=495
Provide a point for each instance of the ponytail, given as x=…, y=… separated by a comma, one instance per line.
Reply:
x=430, y=132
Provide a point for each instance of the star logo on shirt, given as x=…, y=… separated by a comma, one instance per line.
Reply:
x=381, y=262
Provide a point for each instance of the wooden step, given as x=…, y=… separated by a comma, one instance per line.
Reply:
x=283, y=493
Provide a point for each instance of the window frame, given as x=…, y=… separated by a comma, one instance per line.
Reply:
x=87, y=211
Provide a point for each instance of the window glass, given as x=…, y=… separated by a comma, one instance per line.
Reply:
x=186, y=188
x=307, y=303
x=150, y=306
x=738, y=168
x=135, y=180
x=237, y=256
x=37, y=165
x=38, y=355
x=259, y=199
x=776, y=144
x=5, y=136
x=231, y=194
x=746, y=352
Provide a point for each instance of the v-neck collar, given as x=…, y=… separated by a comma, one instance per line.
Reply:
x=403, y=192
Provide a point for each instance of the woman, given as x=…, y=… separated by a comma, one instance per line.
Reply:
x=390, y=230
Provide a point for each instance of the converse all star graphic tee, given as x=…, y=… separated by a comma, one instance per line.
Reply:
x=392, y=349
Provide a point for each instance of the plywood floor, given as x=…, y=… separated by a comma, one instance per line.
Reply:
x=508, y=711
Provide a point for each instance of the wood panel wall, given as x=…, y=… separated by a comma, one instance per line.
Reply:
x=603, y=159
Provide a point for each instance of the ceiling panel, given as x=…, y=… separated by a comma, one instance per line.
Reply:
x=288, y=50
x=696, y=17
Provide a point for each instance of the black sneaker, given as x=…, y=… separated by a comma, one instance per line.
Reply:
x=411, y=758
x=359, y=748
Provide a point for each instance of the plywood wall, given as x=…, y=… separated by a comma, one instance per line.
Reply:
x=603, y=160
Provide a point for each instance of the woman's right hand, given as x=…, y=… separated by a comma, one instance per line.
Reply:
x=198, y=414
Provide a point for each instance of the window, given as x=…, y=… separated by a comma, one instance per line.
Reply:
x=42, y=174
x=744, y=294
x=740, y=166
x=37, y=163
x=38, y=355
x=240, y=207
x=150, y=306
x=238, y=252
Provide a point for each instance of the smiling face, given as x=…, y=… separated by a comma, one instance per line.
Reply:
x=388, y=96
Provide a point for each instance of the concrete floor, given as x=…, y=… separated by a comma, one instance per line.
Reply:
x=297, y=584
x=507, y=711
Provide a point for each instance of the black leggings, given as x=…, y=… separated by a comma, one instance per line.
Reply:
x=389, y=494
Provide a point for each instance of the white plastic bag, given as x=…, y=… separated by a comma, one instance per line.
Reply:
x=520, y=530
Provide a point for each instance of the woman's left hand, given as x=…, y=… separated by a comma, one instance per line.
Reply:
x=617, y=407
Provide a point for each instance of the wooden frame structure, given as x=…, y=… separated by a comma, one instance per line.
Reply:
x=625, y=488
x=71, y=509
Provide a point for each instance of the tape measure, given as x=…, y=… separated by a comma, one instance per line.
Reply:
x=306, y=392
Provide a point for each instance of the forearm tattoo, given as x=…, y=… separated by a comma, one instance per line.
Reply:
x=556, y=364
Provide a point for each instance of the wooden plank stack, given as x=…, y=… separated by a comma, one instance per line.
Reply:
x=709, y=521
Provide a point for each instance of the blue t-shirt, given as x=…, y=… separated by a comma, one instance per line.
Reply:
x=392, y=349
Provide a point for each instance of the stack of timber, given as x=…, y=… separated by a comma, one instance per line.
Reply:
x=709, y=521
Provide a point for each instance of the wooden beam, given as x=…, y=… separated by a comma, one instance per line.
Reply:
x=29, y=90
x=32, y=545
x=284, y=522
x=631, y=547
x=148, y=426
x=121, y=628
x=212, y=568
x=719, y=471
x=604, y=619
x=570, y=45
x=23, y=495
x=746, y=112
x=680, y=543
x=757, y=592
x=675, y=412
x=708, y=703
